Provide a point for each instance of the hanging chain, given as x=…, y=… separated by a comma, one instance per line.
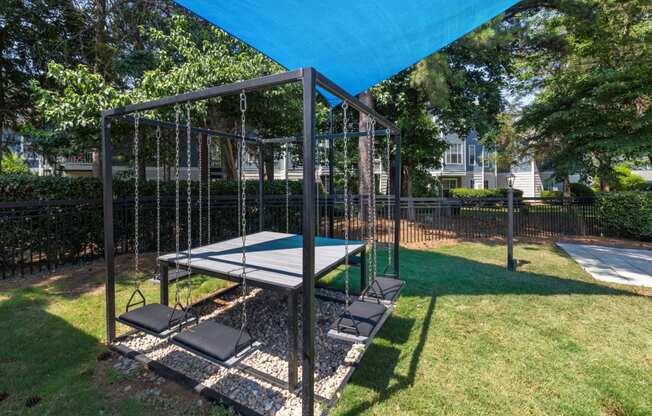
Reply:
x=158, y=197
x=189, y=198
x=372, y=196
x=345, y=131
x=136, y=200
x=209, y=161
x=389, y=211
x=330, y=178
x=177, y=219
x=243, y=207
x=287, y=188
x=201, y=217
x=317, y=179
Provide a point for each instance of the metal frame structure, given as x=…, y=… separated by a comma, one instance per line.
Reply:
x=309, y=79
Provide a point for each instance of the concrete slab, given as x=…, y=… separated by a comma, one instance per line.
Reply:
x=625, y=266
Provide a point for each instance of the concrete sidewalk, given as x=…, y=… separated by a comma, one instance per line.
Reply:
x=615, y=265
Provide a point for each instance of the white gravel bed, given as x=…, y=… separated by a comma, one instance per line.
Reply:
x=267, y=323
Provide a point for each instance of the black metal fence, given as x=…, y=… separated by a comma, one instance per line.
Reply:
x=43, y=235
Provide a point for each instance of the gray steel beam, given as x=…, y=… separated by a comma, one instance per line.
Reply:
x=167, y=124
x=261, y=184
x=308, y=379
x=331, y=177
x=336, y=90
x=330, y=136
x=218, y=91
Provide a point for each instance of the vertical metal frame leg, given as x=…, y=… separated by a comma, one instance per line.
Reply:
x=397, y=204
x=363, y=270
x=164, y=281
x=109, y=252
x=261, y=183
x=308, y=380
x=331, y=178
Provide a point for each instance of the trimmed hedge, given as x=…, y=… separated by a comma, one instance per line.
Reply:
x=41, y=188
x=483, y=193
x=552, y=194
x=626, y=214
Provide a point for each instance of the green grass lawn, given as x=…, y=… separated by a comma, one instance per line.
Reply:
x=467, y=338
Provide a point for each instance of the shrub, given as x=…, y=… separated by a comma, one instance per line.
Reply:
x=623, y=179
x=580, y=190
x=32, y=188
x=483, y=193
x=626, y=214
x=13, y=164
x=552, y=194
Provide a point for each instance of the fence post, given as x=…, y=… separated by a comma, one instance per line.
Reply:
x=510, y=229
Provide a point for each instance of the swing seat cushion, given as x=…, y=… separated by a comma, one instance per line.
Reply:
x=366, y=316
x=384, y=289
x=154, y=317
x=214, y=340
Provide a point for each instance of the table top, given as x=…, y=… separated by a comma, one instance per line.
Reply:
x=273, y=259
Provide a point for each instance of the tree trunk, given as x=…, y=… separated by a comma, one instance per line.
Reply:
x=203, y=142
x=604, y=184
x=217, y=121
x=101, y=66
x=365, y=164
x=100, y=37
x=567, y=189
x=406, y=183
x=269, y=163
x=97, y=164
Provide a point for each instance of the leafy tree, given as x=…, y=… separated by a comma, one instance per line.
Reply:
x=594, y=107
x=190, y=56
x=31, y=34
x=464, y=82
x=421, y=143
x=622, y=179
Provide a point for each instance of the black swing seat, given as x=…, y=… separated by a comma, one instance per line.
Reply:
x=360, y=322
x=173, y=275
x=156, y=319
x=383, y=289
x=216, y=343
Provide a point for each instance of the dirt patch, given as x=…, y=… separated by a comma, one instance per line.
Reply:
x=78, y=279
x=645, y=292
x=156, y=394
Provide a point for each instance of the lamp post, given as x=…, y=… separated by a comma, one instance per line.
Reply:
x=511, y=266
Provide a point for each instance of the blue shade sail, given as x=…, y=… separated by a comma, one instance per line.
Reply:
x=355, y=43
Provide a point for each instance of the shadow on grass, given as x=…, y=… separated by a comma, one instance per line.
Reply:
x=381, y=360
x=431, y=275
x=42, y=355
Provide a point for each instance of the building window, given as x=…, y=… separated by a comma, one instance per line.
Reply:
x=471, y=155
x=449, y=183
x=453, y=155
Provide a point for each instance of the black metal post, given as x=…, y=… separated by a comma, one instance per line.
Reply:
x=164, y=280
x=363, y=270
x=331, y=177
x=107, y=166
x=397, y=204
x=308, y=380
x=510, y=229
x=261, y=183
